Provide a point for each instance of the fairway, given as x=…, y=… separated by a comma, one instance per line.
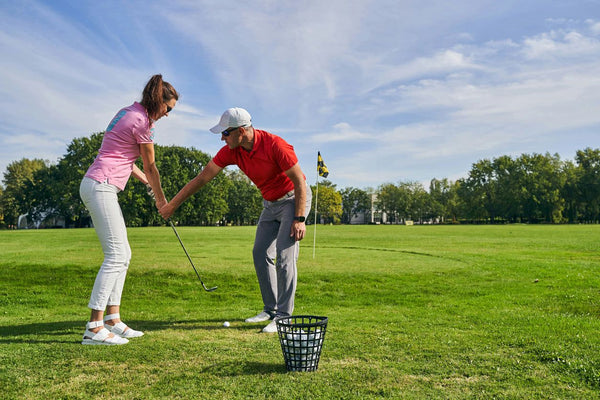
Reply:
x=415, y=312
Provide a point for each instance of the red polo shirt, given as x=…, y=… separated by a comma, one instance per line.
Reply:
x=264, y=164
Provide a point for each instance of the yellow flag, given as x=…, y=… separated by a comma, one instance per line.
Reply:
x=321, y=167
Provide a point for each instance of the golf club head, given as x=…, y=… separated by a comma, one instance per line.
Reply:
x=190, y=259
x=209, y=290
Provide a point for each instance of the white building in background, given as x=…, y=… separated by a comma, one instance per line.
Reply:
x=47, y=220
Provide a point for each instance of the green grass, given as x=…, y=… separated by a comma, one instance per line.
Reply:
x=414, y=312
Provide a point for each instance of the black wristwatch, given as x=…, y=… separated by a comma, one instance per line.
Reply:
x=300, y=219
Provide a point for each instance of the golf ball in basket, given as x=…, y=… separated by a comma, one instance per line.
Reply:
x=226, y=324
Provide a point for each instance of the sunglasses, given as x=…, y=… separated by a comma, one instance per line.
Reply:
x=168, y=108
x=227, y=131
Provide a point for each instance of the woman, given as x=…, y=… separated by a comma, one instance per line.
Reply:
x=129, y=135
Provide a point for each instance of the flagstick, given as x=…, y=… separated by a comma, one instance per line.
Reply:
x=316, y=200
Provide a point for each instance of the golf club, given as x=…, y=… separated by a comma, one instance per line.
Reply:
x=189, y=258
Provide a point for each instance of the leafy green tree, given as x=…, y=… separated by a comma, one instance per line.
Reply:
x=508, y=175
x=479, y=191
x=444, y=199
x=407, y=200
x=17, y=178
x=393, y=201
x=419, y=204
x=541, y=185
x=2, y=224
x=454, y=205
x=244, y=200
x=570, y=191
x=354, y=201
x=438, y=190
x=329, y=203
x=588, y=161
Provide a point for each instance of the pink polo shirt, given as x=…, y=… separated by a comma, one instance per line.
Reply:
x=121, y=146
x=264, y=164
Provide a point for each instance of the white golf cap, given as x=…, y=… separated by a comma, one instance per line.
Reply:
x=232, y=118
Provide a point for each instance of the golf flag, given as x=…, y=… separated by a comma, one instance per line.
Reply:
x=321, y=167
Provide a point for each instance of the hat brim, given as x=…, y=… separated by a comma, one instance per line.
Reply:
x=218, y=128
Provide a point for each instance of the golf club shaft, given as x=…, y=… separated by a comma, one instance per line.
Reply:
x=189, y=258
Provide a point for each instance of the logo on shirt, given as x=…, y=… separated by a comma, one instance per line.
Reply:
x=116, y=119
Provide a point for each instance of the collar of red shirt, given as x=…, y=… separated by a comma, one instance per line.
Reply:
x=257, y=139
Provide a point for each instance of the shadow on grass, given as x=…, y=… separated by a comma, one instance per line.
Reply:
x=415, y=253
x=244, y=368
x=46, y=332
x=61, y=332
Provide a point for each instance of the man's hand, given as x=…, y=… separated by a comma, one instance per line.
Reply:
x=166, y=211
x=298, y=230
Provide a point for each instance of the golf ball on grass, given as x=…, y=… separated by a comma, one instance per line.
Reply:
x=226, y=324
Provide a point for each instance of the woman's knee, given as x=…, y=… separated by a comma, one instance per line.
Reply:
x=116, y=261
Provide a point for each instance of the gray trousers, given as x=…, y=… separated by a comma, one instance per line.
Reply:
x=276, y=253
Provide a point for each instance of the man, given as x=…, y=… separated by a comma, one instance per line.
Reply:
x=271, y=163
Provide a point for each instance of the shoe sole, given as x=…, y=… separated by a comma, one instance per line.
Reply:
x=267, y=329
x=124, y=335
x=127, y=337
x=91, y=342
x=252, y=320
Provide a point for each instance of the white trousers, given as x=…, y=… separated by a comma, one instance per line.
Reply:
x=101, y=201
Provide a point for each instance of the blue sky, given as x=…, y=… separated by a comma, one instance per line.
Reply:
x=387, y=90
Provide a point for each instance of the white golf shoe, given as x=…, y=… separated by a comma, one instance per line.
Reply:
x=102, y=337
x=271, y=328
x=120, y=328
x=263, y=316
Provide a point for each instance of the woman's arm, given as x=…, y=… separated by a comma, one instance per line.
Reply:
x=139, y=175
x=151, y=173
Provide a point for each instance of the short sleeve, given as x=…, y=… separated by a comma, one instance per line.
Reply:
x=224, y=157
x=143, y=133
x=284, y=154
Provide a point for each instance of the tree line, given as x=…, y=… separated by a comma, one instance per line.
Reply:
x=531, y=188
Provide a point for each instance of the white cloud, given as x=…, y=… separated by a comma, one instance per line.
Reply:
x=559, y=44
x=594, y=26
x=341, y=132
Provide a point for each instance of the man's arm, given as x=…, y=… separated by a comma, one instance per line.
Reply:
x=295, y=174
x=210, y=171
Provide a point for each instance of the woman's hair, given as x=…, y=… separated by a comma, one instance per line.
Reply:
x=155, y=94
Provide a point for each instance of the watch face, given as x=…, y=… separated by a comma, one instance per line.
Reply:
x=301, y=219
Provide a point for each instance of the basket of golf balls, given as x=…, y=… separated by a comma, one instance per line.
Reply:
x=301, y=338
